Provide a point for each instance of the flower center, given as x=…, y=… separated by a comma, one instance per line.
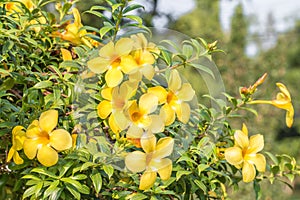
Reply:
x=136, y=116
x=116, y=62
x=171, y=98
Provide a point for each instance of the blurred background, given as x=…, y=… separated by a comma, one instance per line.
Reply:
x=258, y=37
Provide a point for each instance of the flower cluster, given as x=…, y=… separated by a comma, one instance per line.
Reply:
x=40, y=140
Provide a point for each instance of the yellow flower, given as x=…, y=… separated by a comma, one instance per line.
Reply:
x=283, y=100
x=116, y=100
x=44, y=142
x=245, y=154
x=153, y=161
x=114, y=59
x=73, y=32
x=140, y=117
x=174, y=99
x=18, y=137
x=12, y=7
x=143, y=57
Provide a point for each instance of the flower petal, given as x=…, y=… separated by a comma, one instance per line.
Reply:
x=113, y=77
x=106, y=93
x=98, y=65
x=234, y=155
x=248, y=172
x=148, y=103
x=284, y=90
x=289, y=118
x=256, y=144
x=134, y=132
x=168, y=114
x=107, y=51
x=136, y=161
x=128, y=64
x=165, y=169
x=30, y=147
x=160, y=92
x=164, y=148
x=10, y=154
x=148, y=142
x=258, y=160
x=104, y=108
x=61, y=140
x=123, y=46
x=47, y=156
x=48, y=120
x=33, y=130
x=245, y=129
x=174, y=81
x=147, y=180
x=113, y=125
x=157, y=124
x=17, y=159
x=241, y=139
x=120, y=119
x=148, y=71
x=186, y=92
x=183, y=112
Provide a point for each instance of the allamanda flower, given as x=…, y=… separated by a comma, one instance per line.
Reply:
x=283, y=100
x=116, y=100
x=43, y=142
x=141, y=118
x=245, y=154
x=18, y=137
x=114, y=59
x=174, y=99
x=153, y=161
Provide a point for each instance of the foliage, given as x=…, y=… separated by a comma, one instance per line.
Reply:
x=97, y=113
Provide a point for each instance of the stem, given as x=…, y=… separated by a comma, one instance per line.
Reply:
x=119, y=19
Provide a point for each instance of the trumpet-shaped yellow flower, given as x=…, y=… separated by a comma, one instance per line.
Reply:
x=153, y=161
x=245, y=154
x=140, y=117
x=18, y=137
x=143, y=57
x=174, y=99
x=16, y=6
x=283, y=100
x=116, y=100
x=114, y=59
x=43, y=142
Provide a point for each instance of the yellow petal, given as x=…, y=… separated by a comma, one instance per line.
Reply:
x=106, y=93
x=284, y=90
x=104, y=108
x=124, y=46
x=77, y=19
x=160, y=92
x=48, y=120
x=98, y=65
x=256, y=144
x=66, y=54
x=148, y=103
x=113, y=77
x=136, y=161
x=107, y=51
x=33, y=130
x=121, y=120
x=17, y=159
x=113, y=125
x=147, y=180
x=128, y=64
x=30, y=147
x=148, y=142
x=248, y=172
x=183, y=112
x=234, y=155
x=136, y=77
x=245, y=129
x=258, y=160
x=168, y=114
x=134, y=132
x=61, y=140
x=165, y=169
x=289, y=117
x=148, y=71
x=241, y=139
x=186, y=93
x=164, y=148
x=47, y=156
x=18, y=130
x=10, y=154
x=157, y=124
x=174, y=81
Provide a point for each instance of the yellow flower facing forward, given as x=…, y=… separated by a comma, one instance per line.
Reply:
x=152, y=161
x=142, y=54
x=141, y=118
x=283, y=100
x=174, y=99
x=245, y=154
x=114, y=59
x=43, y=142
x=18, y=137
x=116, y=100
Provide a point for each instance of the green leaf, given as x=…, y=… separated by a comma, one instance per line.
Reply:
x=76, y=184
x=30, y=176
x=97, y=181
x=132, y=7
x=73, y=191
x=272, y=157
x=104, y=30
x=7, y=84
x=200, y=185
x=187, y=50
x=43, y=84
x=203, y=68
x=138, y=196
x=201, y=168
x=44, y=172
x=181, y=173
x=257, y=190
x=109, y=170
x=134, y=18
x=51, y=189
x=29, y=192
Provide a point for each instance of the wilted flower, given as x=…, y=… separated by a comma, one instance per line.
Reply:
x=153, y=161
x=174, y=99
x=283, y=100
x=18, y=137
x=245, y=154
x=43, y=141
